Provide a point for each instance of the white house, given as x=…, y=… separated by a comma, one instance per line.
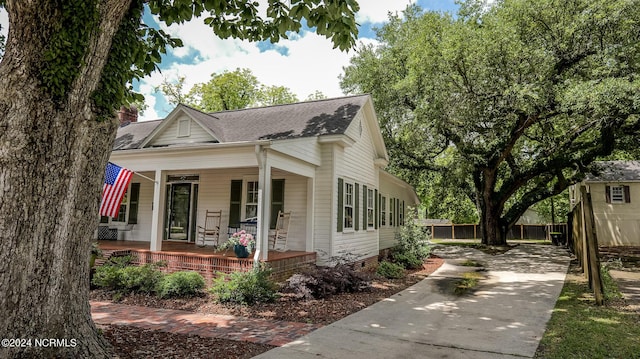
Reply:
x=322, y=160
x=615, y=197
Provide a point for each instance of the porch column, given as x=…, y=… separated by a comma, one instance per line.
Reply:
x=311, y=190
x=264, y=208
x=157, y=212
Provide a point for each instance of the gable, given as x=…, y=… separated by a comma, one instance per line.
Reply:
x=182, y=126
x=365, y=127
x=183, y=129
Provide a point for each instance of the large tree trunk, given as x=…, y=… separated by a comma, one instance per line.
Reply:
x=53, y=152
x=492, y=229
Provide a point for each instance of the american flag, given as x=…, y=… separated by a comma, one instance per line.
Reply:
x=116, y=181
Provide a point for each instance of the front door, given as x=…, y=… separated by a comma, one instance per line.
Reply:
x=179, y=203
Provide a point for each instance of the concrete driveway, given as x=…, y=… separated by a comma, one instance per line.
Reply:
x=504, y=318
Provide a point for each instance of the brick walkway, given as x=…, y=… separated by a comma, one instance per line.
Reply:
x=263, y=331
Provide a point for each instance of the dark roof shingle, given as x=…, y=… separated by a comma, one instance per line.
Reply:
x=303, y=119
x=615, y=171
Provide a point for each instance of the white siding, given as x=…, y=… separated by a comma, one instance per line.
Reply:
x=617, y=224
x=393, y=189
x=356, y=164
x=169, y=135
x=214, y=194
x=142, y=230
x=325, y=202
x=306, y=149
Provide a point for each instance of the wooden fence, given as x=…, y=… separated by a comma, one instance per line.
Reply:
x=472, y=231
x=584, y=243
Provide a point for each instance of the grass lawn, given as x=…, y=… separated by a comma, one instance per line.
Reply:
x=580, y=329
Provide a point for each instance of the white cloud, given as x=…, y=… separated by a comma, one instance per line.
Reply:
x=310, y=62
x=376, y=11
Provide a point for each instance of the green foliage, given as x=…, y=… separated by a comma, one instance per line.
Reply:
x=390, y=270
x=276, y=95
x=230, y=90
x=180, y=284
x=118, y=275
x=142, y=279
x=407, y=260
x=412, y=238
x=136, y=48
x=241, y=19
x=522, y=97
x=67, y=46
x=468, y=281
x=559, y=204
x=245, y=288
x=316, y=95
x=580, y=329
x=609, y=285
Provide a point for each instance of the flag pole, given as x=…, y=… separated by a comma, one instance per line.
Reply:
x=145, y=177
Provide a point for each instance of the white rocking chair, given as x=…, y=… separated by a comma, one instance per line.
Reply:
x=278, y=238
x=209, y=234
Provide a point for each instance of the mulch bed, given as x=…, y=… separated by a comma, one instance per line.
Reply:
x=131, y=342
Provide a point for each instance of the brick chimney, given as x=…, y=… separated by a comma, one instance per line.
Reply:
x=126, y=115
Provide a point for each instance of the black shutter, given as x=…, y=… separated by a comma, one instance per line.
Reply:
x=235, y=203
x=356, y=208
x=340, y=204
x=397, y=212
x=365, y=207
x=134, y=200
x=376, y=212
x=277, y=200
x=607, y=194
x=627, y=194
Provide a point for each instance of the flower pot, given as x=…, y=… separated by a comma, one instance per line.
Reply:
x=240, y=251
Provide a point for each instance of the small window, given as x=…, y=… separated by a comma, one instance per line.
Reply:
x=348, y=205
x=184, y=127
x=401, y=213
x=383, y=211
x=370, y=209
x=391, y=212
x=617, y=194
x=251, y=204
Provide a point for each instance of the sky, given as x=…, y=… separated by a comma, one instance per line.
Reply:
x=304, y=63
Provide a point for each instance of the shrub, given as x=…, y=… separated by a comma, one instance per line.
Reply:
x=180, y=284
x=412, y=241
x=143, y=279
x=118, y=274
x=407, y=260
x=390, y=270
x=245, y=287
x=321, y=282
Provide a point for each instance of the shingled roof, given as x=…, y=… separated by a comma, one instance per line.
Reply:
x=615, y=171
x=303, y=119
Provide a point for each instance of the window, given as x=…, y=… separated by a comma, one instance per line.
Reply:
x=250, y=191
x=370, y=209
x=401, y=214
x=128, y=212
x=383, y=211
x=391, y=211
x=348, y=205
x=617, y=194
x=251, y=203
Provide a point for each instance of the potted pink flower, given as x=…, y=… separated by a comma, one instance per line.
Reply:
x=242, y=242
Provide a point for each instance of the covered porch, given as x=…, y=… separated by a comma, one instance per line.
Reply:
x=245, y=182
x=182, y=256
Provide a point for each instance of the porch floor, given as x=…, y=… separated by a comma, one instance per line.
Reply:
x=191, y=248
x=206, y=260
